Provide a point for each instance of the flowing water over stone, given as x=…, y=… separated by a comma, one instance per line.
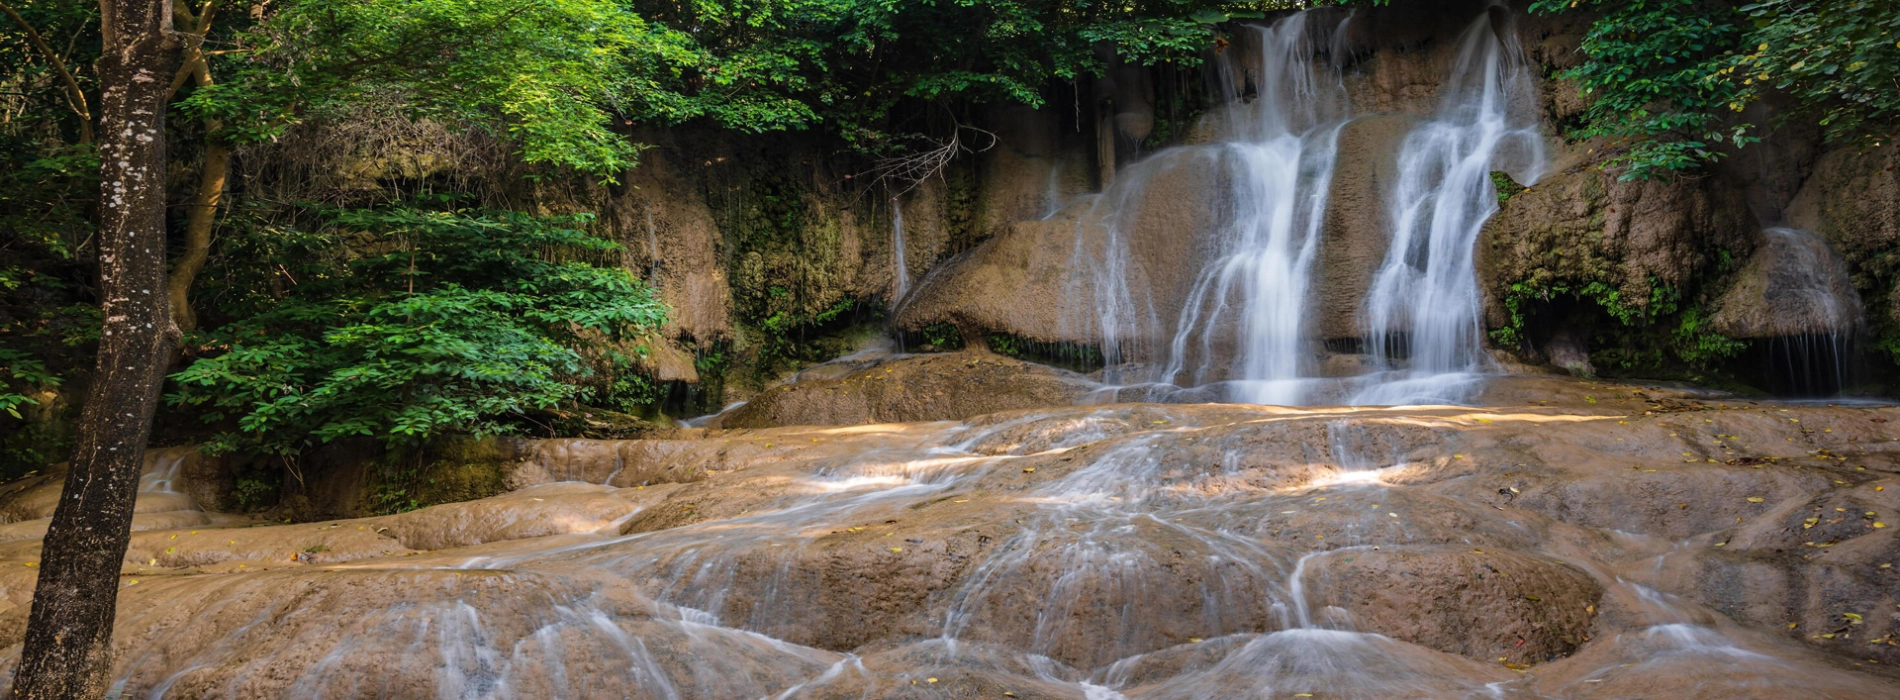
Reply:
x=1242, y=329
x=900, y=260
x=1624, y=546
x=1424, y=311
x=1242, y=320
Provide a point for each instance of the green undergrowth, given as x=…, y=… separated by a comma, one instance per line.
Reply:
x=1664, y=335
x=1069, y=356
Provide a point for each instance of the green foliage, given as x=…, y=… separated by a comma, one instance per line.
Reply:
x=18, y=372
x=31, y=93
x=1505, y=186
x=1669, y=75
x=546, y=72
x=942, y=336
x=253, y=494
x=401, y=324
x=1839, y=59
x=1631, y=342
x=392, y=495
x=1654, y=78
x=1081, y=358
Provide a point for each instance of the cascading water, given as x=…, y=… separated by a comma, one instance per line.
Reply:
x=900, y=267
x=1243, y=317
x=1423, y=312
x=1807, y=285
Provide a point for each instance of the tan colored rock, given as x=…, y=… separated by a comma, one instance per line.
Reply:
x=1472, y=602
x=1794, y=285
x=1580, y=224
x=1358, y=229
x=950, y=386
x=1039, y=280
x=672, y=239
x=1853, y=201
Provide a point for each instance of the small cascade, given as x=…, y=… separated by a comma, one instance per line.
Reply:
x=1807, y=365
x=1052, y=200
x=1241, y=321
x=165, y=472
x=900, y=267
x=1423, y=312
x=1798, y=303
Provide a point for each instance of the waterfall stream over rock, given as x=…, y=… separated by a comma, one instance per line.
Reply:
x=1276, y=459
x=1424, y=305
x=1242, y=318
x=1623, y=546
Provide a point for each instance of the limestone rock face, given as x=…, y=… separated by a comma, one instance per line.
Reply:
x=985, y=288
x=1853, y=201
x=1357, y=229
x=669, y=231
x=950, y=386
x=1794, y=285
x=1133, y=248
x=1581, y=224
x=1037, y=163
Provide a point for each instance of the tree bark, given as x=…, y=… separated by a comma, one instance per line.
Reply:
x=204, y=212
x=211, y=175
x=68, y=649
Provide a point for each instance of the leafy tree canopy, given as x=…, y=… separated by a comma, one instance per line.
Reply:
x=1673, y=76
x=402, y=323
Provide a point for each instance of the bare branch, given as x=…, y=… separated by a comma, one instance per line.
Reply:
x=75, y=97
x=904, y=173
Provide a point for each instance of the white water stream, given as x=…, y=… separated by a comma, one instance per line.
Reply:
x=1424, y=311
x=900, y=260
x=1243, y=319
x=1243, y=330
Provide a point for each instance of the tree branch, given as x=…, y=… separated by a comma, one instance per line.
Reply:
x=75, y=96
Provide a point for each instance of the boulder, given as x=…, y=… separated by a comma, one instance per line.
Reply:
x=1580, y=224
x=1853, y=201
x=1476, y=603
x=1357, y=230
x=950, y=386
x=1793, y=285
x=1132, y=253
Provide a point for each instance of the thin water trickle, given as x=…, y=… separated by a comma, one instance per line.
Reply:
x=1424, y=304
x=900, y=260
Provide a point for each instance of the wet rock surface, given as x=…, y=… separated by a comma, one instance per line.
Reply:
x=950, y=386
x=1570, y=539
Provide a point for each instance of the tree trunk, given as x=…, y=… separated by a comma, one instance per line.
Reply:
x=204, y=212
x=68, y=650
x=211, y=173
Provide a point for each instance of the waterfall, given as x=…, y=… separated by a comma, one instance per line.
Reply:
x=1052, y=190
x=1241, y=321
x=1816, y=310
x=1424, y=309
x=900, y=267
x=1281, y=160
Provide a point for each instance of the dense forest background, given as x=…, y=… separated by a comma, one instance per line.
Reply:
x=396, y=220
